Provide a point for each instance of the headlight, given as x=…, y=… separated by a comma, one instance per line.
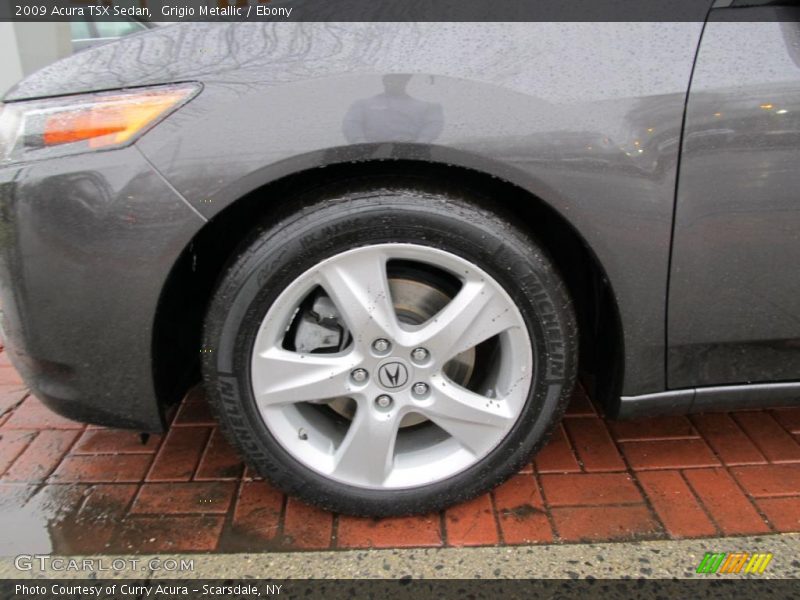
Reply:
x=38, y=129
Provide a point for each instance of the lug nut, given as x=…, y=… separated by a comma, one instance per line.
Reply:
x=420, y=389
x=359, y=375
x=381, y=346
x=419, y=355
x=383, y=401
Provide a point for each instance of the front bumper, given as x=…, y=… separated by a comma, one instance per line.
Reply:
x=86, y=245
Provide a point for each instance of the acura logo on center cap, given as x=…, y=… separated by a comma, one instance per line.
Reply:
x=393, y=375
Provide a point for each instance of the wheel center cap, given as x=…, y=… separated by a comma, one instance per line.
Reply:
x=394, y=374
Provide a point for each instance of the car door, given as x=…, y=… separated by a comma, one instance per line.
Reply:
x=734, y=290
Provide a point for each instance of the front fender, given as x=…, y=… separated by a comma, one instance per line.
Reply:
x=595, y=137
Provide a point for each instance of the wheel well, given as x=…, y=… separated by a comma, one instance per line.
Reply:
x=185, y=297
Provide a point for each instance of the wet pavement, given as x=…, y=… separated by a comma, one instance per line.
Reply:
x=73, y=489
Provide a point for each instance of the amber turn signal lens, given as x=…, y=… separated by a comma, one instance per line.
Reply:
x=110, y=120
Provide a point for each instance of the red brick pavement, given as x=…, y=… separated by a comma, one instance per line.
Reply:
x=101, y=490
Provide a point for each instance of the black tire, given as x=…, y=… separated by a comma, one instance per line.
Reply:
x=395, y=210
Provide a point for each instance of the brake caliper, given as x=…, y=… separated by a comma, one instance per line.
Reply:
x=318, y=327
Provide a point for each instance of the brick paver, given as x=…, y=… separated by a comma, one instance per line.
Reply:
x=557, y=456
x=727, y=504
x=783, y=513
x=184, y=498
x=102, y=490
x=32, y=414
x=593, y=445
x=107, y=468
x=660, y=428
x=769, y=480
x=41, y=456
x=219, y=460
x=306, y=527
x=775, y=443
x=727, y=440
x=472, y=523
x=112, y=441
x=675, y=504
x=12, y=443
x=168, y=534
x=669, y=454
x=605, y=523
x=395, y=532
x=588, y=489
x=521, y=511
x=789, y=418
x=258, y=512
x=179, y=455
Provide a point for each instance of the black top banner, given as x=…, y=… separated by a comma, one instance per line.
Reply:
x=361, y=10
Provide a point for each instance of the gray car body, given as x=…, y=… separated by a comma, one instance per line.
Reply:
x=585, y=118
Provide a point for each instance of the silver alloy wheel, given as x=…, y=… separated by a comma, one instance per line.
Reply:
x=461, y=423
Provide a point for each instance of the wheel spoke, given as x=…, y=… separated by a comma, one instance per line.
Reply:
x=430, y=327
x=367, y=451
x=358, y=285
x=284, y=377
x=472, y=419
x=477, y=313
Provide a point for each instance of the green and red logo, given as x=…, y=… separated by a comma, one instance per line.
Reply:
x=735, y=562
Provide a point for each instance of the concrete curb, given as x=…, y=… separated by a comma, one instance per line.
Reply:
x=619, y=560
